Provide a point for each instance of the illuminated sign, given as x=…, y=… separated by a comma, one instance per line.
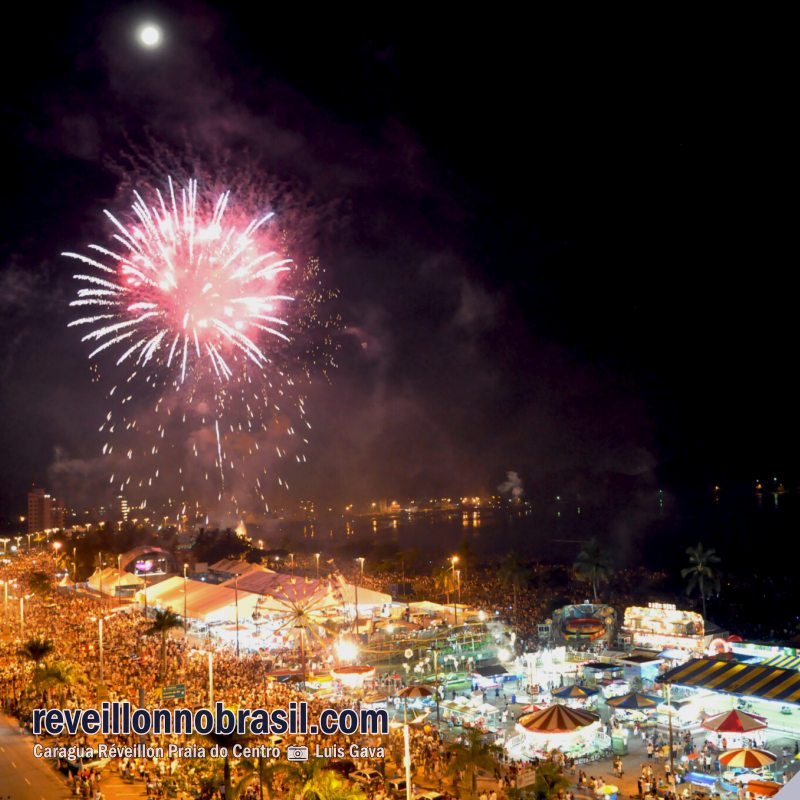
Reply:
x=150, y=566
x=662, y=625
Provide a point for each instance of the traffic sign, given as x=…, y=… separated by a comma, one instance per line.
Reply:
x=175, y=692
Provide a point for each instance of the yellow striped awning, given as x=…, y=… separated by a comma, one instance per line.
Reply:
x=783, y=661
x=731, y=677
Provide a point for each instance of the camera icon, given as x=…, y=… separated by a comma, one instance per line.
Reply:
x=297, y=753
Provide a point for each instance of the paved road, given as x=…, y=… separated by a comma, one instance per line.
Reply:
x=23, y=777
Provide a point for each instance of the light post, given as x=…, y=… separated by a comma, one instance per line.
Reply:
x=74, y=566
x=211, y=679
x=119, y=577
x=184, y=600
x=18, y=540
x=236, y=602
x=100, y=567
x=6, y=583
x=57, y=548
x=671, y=751
x=409, y=691
x=29, y=542
x=360, y=559
x=291, y=562
x=316, y=556
x=453, y=562
x=436, y=682
x=5, y=543
x=22, y=616
x=458, y=583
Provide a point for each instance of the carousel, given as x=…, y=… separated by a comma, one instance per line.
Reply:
x=573, y=732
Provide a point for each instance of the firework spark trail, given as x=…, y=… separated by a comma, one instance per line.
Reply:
x=190, y=294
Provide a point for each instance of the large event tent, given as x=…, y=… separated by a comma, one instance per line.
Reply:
x=206, y=602
x=107, y=580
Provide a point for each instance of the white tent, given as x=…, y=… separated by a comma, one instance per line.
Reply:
x=235, y=566
x=107, y=580
x=207, y=602
x=427, y=607
x=368, y=598
x=162, y=587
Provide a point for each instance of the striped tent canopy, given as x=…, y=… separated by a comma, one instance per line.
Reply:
x=731, y=677
x=734, y=722
x=633, y=700
x=764, y=788
x=415, y=691
x=556, y=719
x=783, y=661
x=574, y=692
x=748, y=758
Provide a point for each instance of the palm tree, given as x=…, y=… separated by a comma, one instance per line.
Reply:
x=262, y=771
x=592, y=565
x=298, y=773
x=443, y=580
x=58, y=674
x=163, y=623
x=472, y=755
x=228, y=741
x=36, y=649
x=325, y=784
x=513, y=575
x=550, y=781
x=701, y=573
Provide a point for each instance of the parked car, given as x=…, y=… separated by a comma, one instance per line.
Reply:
x=396, y=787
x=366, y=777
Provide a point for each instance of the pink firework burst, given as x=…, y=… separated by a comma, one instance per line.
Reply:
x=190, y=295
x=189, y=284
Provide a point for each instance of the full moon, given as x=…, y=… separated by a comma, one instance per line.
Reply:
x=150, y=35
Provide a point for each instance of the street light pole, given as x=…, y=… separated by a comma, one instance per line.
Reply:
x=360, y=559
x=75, y=569
x=22, y=616
x=406, y=749
x=100, y=638
x=436, y=682
x=236, y=601
x=453, y=561
x=184, y=600
x=211, y=680
x=316, y=556
x=119, y=576
x=671, y=750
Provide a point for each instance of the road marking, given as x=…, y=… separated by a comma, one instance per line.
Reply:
x=13, y=765
x=27, y=781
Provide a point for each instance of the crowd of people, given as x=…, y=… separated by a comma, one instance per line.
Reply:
x=133, y=670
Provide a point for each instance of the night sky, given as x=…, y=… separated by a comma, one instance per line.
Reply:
x=563, y=247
